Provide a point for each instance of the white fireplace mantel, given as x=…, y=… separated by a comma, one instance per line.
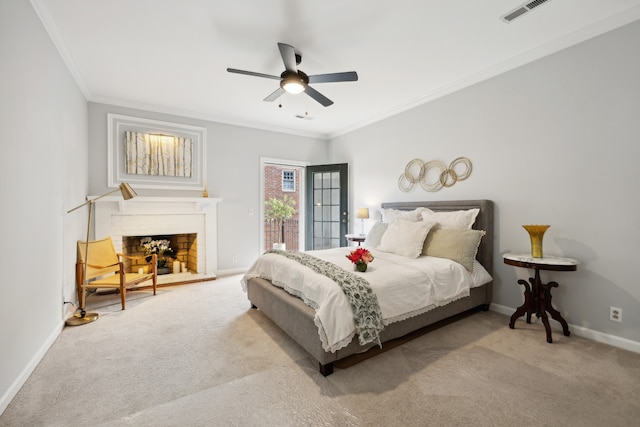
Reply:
x=198, y=202
x=143, y=216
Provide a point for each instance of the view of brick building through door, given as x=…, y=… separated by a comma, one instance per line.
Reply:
x=280, y=180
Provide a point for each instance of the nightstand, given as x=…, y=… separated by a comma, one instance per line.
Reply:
x=355, y=238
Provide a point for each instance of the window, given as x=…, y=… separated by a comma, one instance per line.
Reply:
x=288, y=180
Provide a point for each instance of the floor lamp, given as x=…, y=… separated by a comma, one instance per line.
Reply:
x=82, y=318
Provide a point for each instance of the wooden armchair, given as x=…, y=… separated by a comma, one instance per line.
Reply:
x=105, y=269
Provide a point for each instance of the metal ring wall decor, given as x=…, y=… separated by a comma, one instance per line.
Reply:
x=406, y=181
x=417, y=171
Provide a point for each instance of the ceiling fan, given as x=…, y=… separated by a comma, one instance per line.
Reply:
x=295, y=81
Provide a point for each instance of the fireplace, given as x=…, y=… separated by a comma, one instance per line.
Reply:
x=190, y=221
x=184, y=249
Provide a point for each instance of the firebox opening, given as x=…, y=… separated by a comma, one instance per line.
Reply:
x=184, y=249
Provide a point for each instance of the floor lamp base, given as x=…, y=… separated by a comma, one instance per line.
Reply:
x=77, y=319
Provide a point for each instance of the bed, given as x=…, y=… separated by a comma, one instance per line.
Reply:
x=299, y=320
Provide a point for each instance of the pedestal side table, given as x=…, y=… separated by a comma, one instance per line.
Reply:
x=359, y=238
x=537, y=297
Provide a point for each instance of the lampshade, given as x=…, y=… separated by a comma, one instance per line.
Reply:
x=362, y=213
x=292, y=84
x=127, y=191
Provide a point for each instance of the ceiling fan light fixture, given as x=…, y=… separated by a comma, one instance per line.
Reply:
x=295, y=81
x=292, y=84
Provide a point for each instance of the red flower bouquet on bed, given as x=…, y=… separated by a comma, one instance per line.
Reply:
x=360, y=257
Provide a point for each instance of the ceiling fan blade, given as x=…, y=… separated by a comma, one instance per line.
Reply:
x=252, y=73
x=349, y=76
x=318, y=96
x=275, y=95
x=288, y=57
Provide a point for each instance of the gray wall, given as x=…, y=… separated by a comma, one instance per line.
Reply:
x=233, y=174
x=43, y=120
x=553, y=142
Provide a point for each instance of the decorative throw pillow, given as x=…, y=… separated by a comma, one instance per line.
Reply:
x=390, y=215
x=374, y=237
x=460, y=246
x=461, y=220
x=405, y=237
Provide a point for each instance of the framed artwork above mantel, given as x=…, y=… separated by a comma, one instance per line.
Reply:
x=155, y=154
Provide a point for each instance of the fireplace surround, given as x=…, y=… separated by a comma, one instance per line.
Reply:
x=160, y=216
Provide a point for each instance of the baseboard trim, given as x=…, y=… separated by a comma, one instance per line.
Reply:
x=15, y=387
x=232, y=271
x=583, y=332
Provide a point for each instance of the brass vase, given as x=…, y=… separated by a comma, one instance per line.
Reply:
x=535, y=233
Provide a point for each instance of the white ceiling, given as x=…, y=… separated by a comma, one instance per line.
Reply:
x=171, y=56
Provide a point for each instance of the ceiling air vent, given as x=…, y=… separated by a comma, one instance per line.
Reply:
x=522, y=9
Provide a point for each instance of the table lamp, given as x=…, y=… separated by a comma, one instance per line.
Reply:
x=362, y=214
x=82, y=318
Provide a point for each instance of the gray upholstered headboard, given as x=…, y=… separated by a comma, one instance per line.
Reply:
x=484, y=221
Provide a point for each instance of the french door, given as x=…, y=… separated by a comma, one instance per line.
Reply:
x=327, y=198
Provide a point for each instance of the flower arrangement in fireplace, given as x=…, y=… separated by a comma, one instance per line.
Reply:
x=159, y=247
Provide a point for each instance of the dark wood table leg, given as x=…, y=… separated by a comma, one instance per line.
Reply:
x=555, y=314
x=547, y=327
x=526, y=307
x=540, y=292
x=533, y=307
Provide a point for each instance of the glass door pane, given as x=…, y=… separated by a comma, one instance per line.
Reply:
x=327, y=197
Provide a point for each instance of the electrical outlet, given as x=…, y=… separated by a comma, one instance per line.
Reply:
x=615, y=314
x=235, y=258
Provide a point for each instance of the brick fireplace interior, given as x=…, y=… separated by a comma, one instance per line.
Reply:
x=184, y=246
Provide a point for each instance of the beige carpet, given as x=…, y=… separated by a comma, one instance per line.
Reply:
x=197, y=355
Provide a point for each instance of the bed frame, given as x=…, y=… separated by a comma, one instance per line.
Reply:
x=296, y=319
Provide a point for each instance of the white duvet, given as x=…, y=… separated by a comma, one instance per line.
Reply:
x=405, y=287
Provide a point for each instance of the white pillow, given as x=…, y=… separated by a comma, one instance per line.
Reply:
x=390, y=215
x=405, y=237
x=453, y=220
x=480, y=275
x=374, y=237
